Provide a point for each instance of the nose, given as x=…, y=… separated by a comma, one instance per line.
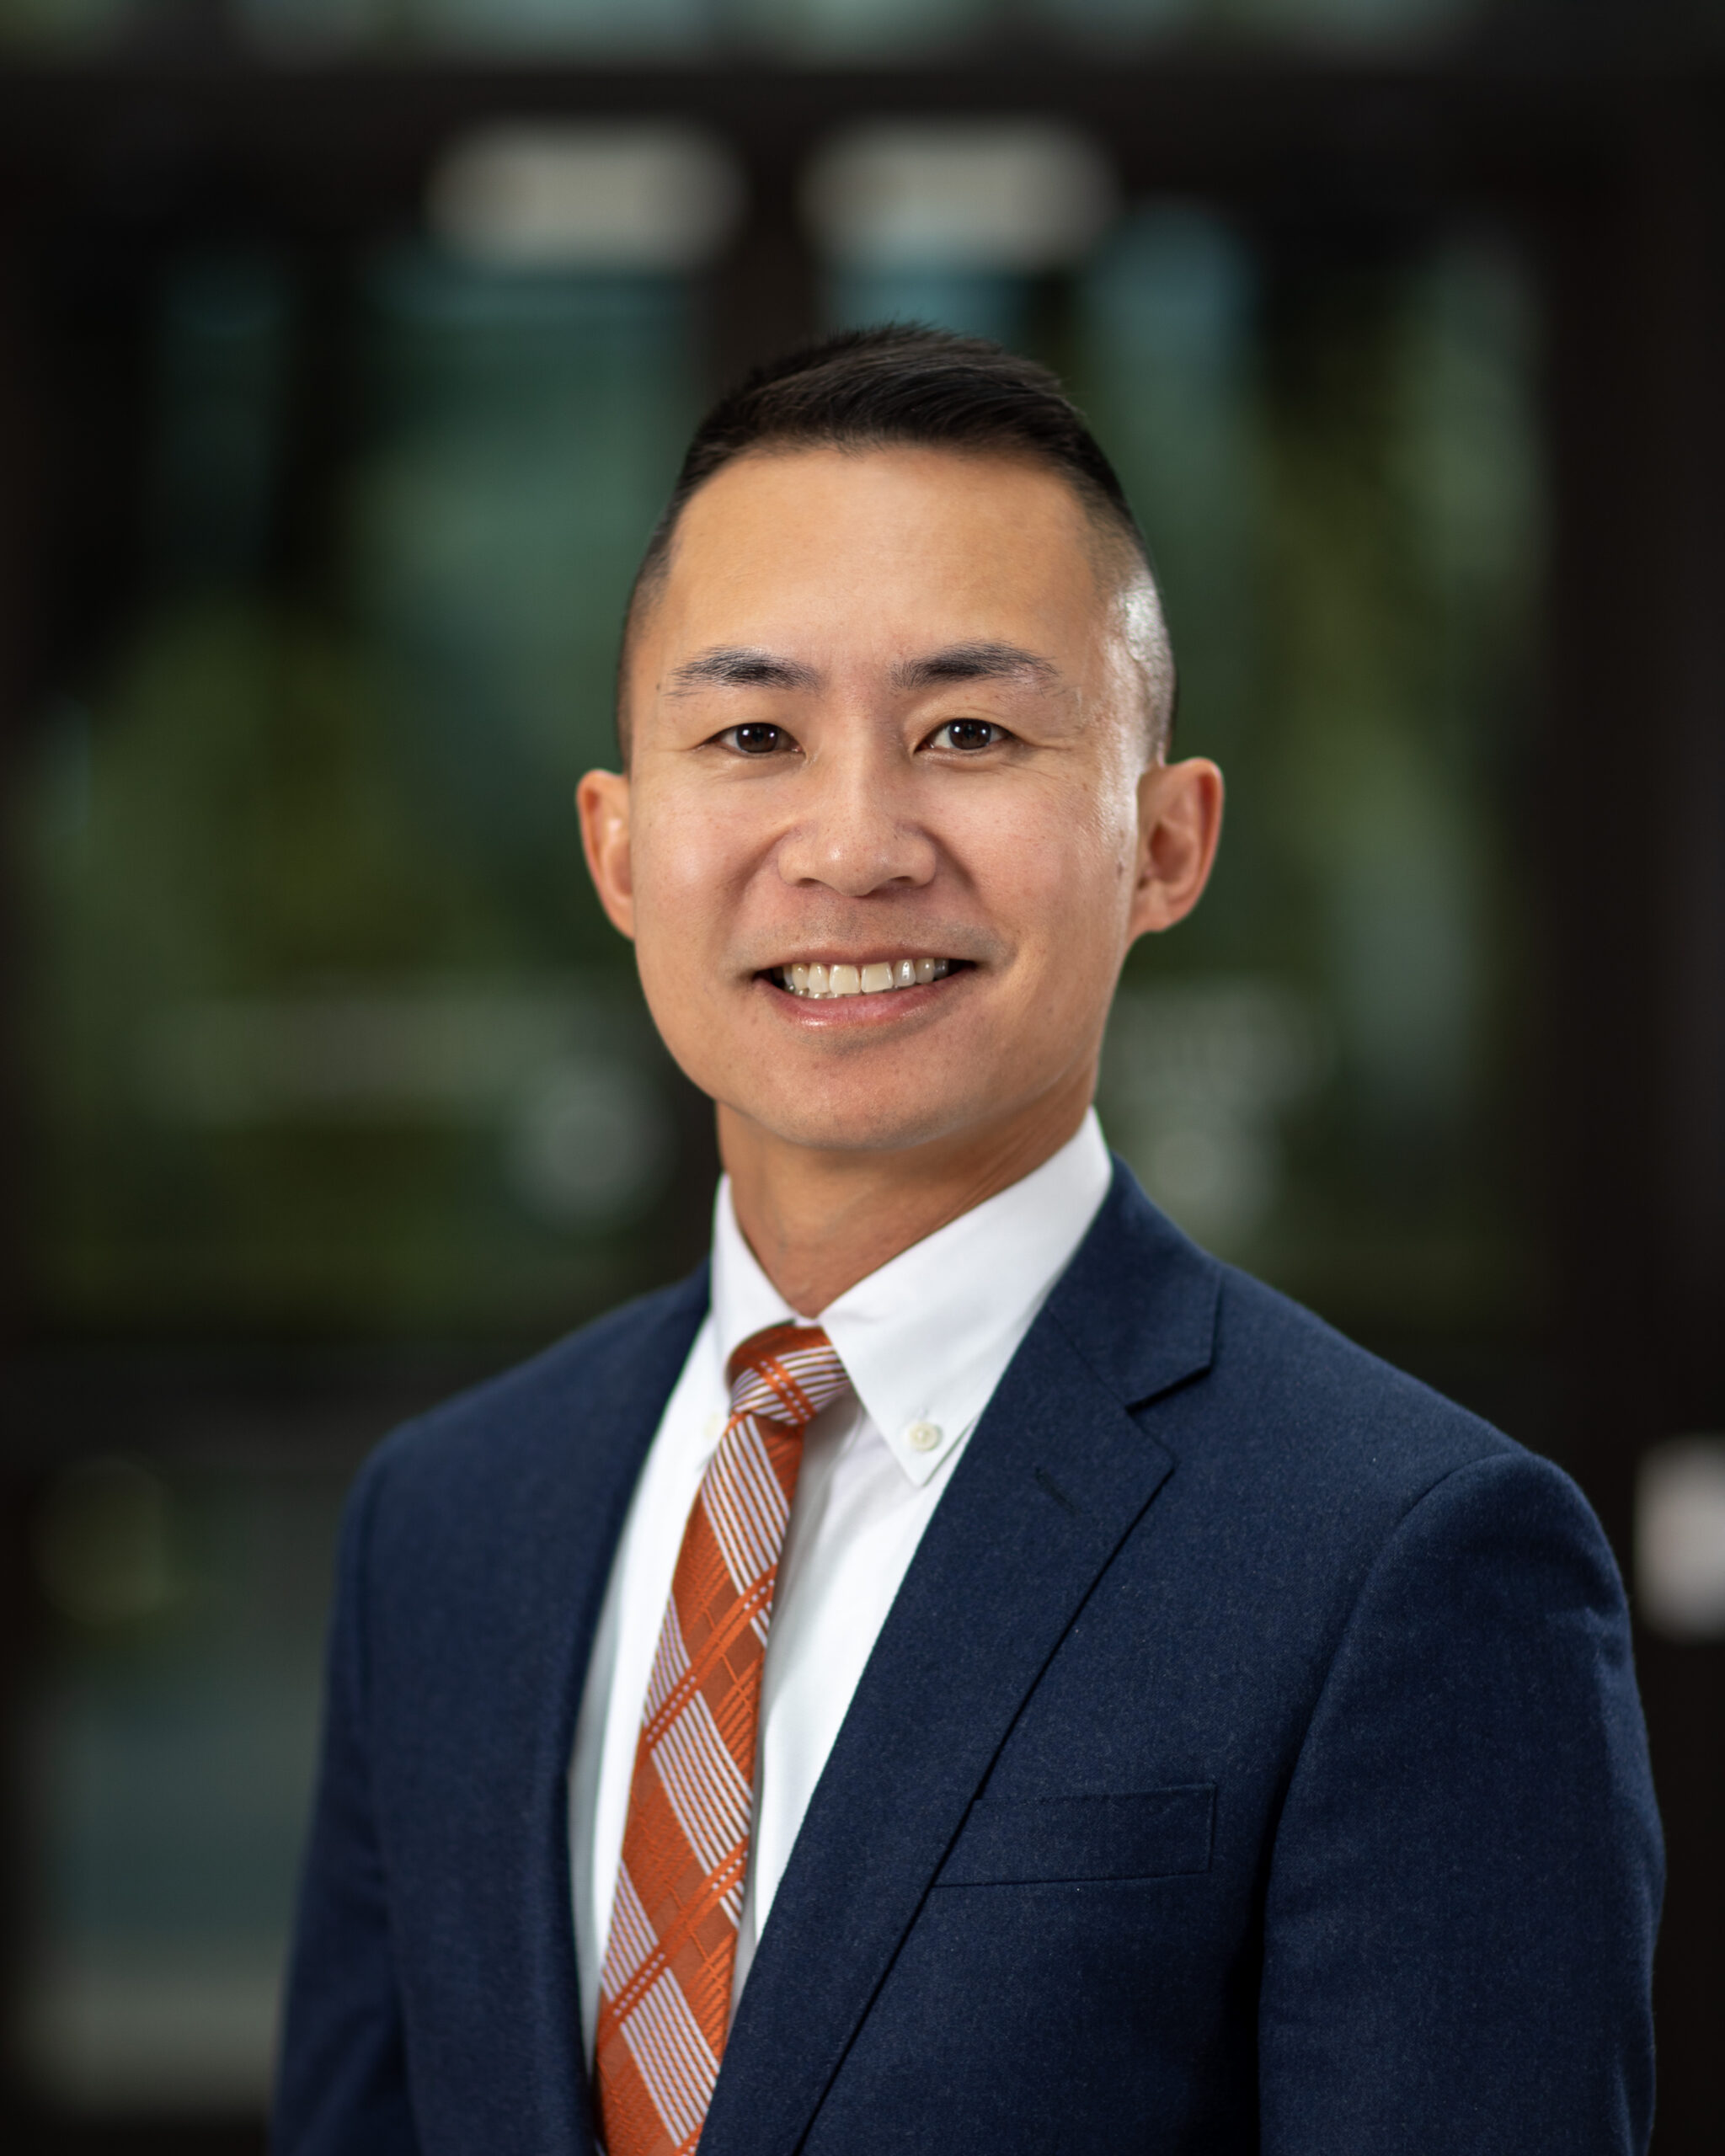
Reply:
x=856, y=831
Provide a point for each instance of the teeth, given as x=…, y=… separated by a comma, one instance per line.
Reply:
x=871, y=980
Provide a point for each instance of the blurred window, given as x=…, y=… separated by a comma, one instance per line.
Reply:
x=330, y=1033
x=1336, y=462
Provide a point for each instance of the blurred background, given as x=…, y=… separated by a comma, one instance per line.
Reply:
x=347, y=347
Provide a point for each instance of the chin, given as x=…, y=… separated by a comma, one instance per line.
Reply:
x=871, y=1125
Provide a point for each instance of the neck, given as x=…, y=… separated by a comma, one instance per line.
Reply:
x=819, y=1222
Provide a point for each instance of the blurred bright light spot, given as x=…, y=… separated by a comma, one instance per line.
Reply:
x=592, y=195
x=152, y=2032
x=1679, y=1538
x=589, y=1147
x=1021, y=196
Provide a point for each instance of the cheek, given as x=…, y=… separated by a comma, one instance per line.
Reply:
x=680, y=908
x=684, y=866
x=1057, y=863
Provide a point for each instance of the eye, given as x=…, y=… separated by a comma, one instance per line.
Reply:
x=967, y=735
x=756, y=739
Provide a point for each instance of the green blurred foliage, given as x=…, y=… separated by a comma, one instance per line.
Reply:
x=326, y=831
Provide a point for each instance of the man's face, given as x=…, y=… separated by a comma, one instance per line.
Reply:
x=883, y=712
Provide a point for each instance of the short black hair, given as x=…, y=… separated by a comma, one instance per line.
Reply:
x=908, y=385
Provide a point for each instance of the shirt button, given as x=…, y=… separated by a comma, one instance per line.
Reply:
x=923, y=1437
x=713, y=1429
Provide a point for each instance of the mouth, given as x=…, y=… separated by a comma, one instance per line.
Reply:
x=829, y=982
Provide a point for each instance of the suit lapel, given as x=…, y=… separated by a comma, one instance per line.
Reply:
x=1054, y=1477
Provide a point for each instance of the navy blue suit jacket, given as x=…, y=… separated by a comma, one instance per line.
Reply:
x=1250, y=1761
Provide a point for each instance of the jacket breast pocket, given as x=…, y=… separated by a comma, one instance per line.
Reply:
x=1156, y=1833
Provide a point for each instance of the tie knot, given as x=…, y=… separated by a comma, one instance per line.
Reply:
x=787, y=1374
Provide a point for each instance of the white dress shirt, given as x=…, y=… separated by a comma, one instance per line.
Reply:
x=925, y=1342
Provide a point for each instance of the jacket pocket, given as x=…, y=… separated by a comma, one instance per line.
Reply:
x=1155, y=1833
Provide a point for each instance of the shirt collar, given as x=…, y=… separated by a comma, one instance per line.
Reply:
x=927, y=1338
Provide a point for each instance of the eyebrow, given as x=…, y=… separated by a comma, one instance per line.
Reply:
x=741, y=666
x=975, y=662
x=745, y=666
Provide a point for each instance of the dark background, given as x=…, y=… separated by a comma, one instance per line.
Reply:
x=325, y=1087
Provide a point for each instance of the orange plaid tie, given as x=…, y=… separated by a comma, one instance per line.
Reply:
x=665, y=1993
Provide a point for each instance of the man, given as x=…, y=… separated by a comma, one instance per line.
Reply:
x=968, y=1672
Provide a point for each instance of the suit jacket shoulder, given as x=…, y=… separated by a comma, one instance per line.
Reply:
x=1355, y=1413
x=1285, y=1436
x=1328, y=1437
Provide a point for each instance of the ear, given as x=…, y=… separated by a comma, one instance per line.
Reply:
x=1179, y=822
x=603, y=799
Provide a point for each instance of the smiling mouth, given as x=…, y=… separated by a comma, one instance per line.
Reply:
x=879, y=978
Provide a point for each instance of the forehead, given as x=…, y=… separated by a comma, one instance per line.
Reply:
x=885, y=544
